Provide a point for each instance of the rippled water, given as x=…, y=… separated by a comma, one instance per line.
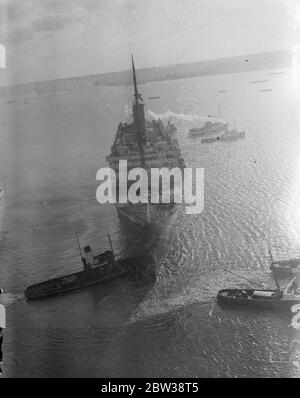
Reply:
x=51, y=149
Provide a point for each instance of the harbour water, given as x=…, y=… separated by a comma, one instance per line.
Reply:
x=51, y=149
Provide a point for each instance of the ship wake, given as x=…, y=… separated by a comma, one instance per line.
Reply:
x=178, y=287
x=8, y=299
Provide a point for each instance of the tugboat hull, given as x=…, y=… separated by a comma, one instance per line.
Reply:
x=135, y=267
x=258, y=299
x=71, y=282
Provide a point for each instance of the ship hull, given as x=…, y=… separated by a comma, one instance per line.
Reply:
x=154, y=237
x=200, y=132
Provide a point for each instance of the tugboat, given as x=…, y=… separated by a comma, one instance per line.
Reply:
x=275, y=299
x=210, y=140
x=255, y=298
x=103, y=267
x=284, y=268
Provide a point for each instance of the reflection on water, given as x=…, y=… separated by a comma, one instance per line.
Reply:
x=52, y=149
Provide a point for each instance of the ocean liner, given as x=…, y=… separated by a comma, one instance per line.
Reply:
x=147, y=144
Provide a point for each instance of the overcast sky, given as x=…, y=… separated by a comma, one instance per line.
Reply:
x=48, y=39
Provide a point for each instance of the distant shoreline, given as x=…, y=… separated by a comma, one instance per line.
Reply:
x=236, y=64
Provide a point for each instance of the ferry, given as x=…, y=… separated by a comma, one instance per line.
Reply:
x=227, y=136
x=208, y=127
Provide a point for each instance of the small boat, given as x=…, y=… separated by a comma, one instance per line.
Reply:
x=255, y=298
x=105, y=268
x=155, y=97
x=210, y=140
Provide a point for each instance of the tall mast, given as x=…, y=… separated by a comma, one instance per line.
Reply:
x=274, y=276
x=137, y=116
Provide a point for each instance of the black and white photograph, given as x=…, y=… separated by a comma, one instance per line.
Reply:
x=149, y=191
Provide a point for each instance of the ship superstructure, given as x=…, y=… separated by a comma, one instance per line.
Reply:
x=147, y=144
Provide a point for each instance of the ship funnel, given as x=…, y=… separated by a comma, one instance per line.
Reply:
x=136, y=93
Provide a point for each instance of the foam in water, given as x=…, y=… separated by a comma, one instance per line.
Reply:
x=8, y=299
